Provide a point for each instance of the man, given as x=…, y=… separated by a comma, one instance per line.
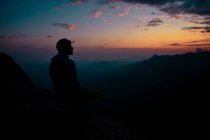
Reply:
x=63, y=70
x=64, y=77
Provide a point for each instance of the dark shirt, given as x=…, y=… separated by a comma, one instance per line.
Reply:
x=64, y=76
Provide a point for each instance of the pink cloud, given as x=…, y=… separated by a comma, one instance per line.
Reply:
x=68, y=26
x=71, y=26
x=121, y=14
x=96, y=13
x=175, y=17
x=76, y=2
x=114, y=7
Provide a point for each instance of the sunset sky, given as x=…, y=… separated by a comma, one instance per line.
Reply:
x=105, y=25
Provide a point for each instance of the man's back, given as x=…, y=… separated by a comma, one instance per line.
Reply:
x=64, y=76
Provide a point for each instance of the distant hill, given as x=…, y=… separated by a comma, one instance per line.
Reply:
x=136, y=77
x=169, y=96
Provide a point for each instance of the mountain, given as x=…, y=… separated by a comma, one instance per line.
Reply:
x=31, y=111
x=136, y=77
x=168, y=96
x=164, y=97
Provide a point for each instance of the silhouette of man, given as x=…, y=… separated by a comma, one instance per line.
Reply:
x=63, y=70
x=64, y=77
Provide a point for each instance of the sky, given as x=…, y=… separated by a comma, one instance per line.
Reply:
x=104, y=29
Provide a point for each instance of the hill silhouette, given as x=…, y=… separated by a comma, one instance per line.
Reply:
x=29, y=111
x=168, y=96
x=139, y=76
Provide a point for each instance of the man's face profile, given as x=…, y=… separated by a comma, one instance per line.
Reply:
x=65, y=46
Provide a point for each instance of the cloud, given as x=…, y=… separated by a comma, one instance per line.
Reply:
x=114, y=7
x=199, y=7
x=121, y=14
x=198, y=44
x=108, y=1
x=195, y=28
x=197, y=41
x=177, y=44
x=203, y=42
x=206, y=22
x=13, y=36
x=50, y=36
x=68, y=26
x=205, y=29
x=152, y=2
x=175, y=17
x=76, y=2
x=96, y=13
x=200, y=21
x=199, y=50
x=155, y=22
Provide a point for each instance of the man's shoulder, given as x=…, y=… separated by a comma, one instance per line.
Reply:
x=62, y=59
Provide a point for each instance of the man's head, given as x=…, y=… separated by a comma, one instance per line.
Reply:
x=64, y=46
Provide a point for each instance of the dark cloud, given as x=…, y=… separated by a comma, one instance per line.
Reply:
x=205, y=29
x=206, y=22
x=50, y=36
x=109, y=1
x=199, y=7
x=198, y=44
x=150, y=2
x=177, y=44
x=197, y=41
x=200, y=50
x=199, y=20
x=196, y=28
x=68, y=26
x=76, y=2
x=193, y=45
x=204, y=42
x=13, y=36
x=155, y=22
